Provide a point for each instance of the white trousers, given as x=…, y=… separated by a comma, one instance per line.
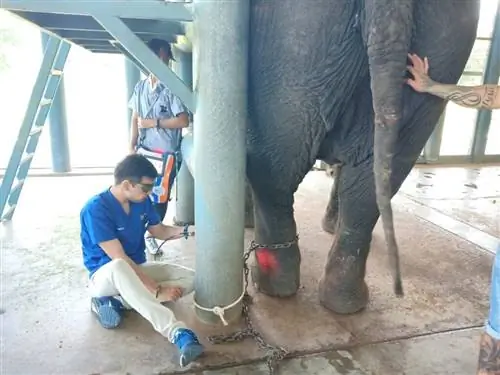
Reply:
x=117, y=278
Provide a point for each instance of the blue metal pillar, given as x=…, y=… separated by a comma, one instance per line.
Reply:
x=184, y=206
x=58, y=126
x=432, y=148
x=491, y=76
x=133, y=75
x=219, y=154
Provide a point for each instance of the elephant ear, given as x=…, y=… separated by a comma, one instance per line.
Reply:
x=389, y=32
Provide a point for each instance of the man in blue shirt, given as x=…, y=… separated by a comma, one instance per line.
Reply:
x=113, y=225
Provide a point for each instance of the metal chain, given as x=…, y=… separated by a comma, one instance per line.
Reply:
x=274, y=354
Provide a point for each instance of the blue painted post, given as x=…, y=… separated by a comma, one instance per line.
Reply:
x=491, y=75
x=219, y=154
x=58, y=126
x=184, y=205
x=133, y=75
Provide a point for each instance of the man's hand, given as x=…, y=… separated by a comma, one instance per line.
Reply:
x=146, y=123
x=420, y=70
x=114, y=250
x=166, y=232
x=169, y=293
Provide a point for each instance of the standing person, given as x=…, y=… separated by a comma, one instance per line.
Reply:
x=158, y=117
x=480, y=97
x=113, y=224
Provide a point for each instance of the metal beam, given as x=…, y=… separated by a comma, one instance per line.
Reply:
x=58, y=125
x=75, y=22
x=104, y=50
x=131, y=57
x=138, y=49
x=220, y=154
x=143, y=9
x=184, y=204
x=103, y=35
x=92, y=43
x=491, y=76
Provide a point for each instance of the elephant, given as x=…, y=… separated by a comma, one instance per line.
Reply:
x=327, y=82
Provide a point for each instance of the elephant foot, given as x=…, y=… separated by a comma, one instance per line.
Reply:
x=276, y=272
x=328, y=224
x=343, y=289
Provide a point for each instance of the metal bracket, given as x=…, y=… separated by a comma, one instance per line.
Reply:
x=140, y=52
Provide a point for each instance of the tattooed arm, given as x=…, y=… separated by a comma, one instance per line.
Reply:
x=489, y=356
x=480, y=97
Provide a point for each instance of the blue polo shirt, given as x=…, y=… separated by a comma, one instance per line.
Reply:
x=103, y=219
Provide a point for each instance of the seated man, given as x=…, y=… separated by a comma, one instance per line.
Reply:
x=113, y=224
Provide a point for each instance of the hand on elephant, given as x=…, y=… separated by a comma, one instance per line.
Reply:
x=419, y=69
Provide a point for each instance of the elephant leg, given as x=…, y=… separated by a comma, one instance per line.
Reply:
x=276, y=266
x=342, y=287
x=329, y=221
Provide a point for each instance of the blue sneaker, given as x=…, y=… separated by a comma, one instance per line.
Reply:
x=188, y=345
x=108, y=311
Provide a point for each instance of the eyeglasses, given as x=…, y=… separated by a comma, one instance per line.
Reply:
x=146, y=188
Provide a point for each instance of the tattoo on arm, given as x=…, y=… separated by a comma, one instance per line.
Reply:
x=489, y=356
x=490, y=95
x=471, y=97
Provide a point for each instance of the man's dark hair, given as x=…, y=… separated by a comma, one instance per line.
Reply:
x=134, y=168
x=156, y=45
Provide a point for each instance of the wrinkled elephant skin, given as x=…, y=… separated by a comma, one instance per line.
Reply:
x=326, y=82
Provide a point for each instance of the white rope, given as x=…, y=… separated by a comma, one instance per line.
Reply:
x=218, y=310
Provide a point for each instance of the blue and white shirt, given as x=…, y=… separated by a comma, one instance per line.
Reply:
x=160, y=103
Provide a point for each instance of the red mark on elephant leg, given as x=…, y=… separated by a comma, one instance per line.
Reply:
x=267, y=260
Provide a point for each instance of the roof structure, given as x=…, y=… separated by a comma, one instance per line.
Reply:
x=114, y=26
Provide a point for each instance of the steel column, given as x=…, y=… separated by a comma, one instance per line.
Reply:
x=433, y=146
x=491, y=76
x=219, y=157
x=133, y=75
x=58, y=126
x=184, y=205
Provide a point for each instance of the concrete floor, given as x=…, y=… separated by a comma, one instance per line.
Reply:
x=47, y=327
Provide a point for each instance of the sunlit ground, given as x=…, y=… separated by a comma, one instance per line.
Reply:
x=95, y=93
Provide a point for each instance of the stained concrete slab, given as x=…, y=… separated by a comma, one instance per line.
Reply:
x=437, y=354
x=470, y=195
x=48, y=327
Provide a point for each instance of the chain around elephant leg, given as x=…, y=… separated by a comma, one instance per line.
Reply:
x=274, y=354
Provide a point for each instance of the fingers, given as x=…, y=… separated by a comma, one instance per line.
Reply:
x=175, y=293
x=419, y=64
x=169, y=294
